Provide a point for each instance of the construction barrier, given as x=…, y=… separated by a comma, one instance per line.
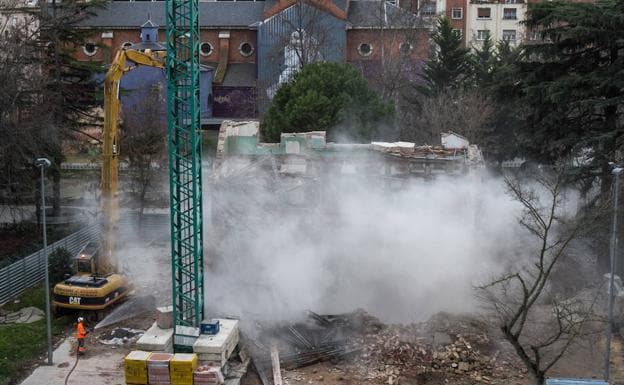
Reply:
x=30, y=270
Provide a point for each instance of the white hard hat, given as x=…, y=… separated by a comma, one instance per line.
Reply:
x=80, y=319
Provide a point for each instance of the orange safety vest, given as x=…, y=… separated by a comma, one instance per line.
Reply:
x=80, y=331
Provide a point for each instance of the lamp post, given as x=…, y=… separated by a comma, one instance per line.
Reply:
x=613, y=263
x=44, y=163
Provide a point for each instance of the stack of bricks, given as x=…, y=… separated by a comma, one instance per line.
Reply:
x=158, y=368
x=208, y=375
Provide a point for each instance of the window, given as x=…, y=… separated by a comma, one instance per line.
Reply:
x=457, y=13
x=484, y=13
x=246, y=49
x=511, y=1
x=365, y=49
x=405, y=48
x=459, y=32
x=509, y=14
x=428, y=9
x=89, y=49
x=205, y=49
x=509, y=34
x=482, y=34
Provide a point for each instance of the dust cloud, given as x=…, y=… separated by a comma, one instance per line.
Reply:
x=401, y=250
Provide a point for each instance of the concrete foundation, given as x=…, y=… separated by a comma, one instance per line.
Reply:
x=217, y=349
x=156, y=339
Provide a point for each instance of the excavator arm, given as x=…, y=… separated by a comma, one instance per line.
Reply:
x=110, y=148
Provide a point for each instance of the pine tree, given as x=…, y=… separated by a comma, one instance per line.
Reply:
x=448, y=66
x=573, y=84
x=483, y=60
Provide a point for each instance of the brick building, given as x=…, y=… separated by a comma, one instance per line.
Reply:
x=253, y=46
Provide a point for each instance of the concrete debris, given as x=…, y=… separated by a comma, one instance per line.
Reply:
x=120, y=336
x=23, y=316
x=368, y=350
x=156, y=339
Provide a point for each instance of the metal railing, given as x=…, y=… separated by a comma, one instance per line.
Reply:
x=30, y=270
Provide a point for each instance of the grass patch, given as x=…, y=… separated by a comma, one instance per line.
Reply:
x=23, y=344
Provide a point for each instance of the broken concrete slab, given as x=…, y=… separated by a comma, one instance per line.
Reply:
x=156, y=339
x=23, y=316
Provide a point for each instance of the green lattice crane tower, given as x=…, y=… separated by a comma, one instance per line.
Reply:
x=185, y=167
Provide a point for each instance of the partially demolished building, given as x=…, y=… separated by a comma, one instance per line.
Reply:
x=309, y=155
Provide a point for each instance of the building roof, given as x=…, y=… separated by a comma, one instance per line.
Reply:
x=125, y=14
x=240, y=75
x=367, y=14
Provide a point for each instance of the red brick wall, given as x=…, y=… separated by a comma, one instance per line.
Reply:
x=461, y=23
x=392, y=39
x=121, y=36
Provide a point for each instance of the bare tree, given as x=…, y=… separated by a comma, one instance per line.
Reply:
x=143, y=145
x=465, y=112
x=539, y=324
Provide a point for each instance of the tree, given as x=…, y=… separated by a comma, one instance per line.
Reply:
x=573, y=85
x=144, y=143
x=539, y=324
x=448, y=66
x=22, y=121
x=332, y=97
x=483, y=60
x=69, y=86
x=462, y=111
x=60, y=264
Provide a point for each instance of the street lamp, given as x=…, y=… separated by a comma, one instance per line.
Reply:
x=613, y=250
x=44, y=163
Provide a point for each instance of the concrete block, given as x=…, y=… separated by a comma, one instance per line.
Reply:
x=156, y=339
x=164, y=319
x=221, y=344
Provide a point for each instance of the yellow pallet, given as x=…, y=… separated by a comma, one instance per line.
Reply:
x=183, y=363
x=181, y=378
x=135, y=364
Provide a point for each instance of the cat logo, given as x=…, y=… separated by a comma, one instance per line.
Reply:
x=74, y=300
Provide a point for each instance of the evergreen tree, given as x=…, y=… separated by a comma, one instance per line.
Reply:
x=448, y=66
x=330, y=97
x=483, y=61
x=573, y=84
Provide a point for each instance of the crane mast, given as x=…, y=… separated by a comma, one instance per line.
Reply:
x=185, y=178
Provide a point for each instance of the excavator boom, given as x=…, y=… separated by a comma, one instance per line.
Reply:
x=110, y=148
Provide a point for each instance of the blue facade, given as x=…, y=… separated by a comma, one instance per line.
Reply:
x=136, y=85
x=299, y=31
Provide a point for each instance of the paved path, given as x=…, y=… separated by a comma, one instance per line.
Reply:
x=103, y=369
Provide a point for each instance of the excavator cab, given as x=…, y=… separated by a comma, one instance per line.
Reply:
x=85, y=261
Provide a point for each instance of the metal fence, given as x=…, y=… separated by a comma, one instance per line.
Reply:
x=29, y=271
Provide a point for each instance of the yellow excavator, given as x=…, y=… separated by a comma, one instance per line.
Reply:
x=98, y=284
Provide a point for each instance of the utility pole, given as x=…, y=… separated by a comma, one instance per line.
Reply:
x=613, y=262
x=44, y=163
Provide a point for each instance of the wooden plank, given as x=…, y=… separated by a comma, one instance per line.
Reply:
x=277, y=373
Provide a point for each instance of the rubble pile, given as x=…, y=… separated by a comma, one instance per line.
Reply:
x=463, y=349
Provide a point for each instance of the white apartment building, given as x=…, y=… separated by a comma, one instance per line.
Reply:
x=500, y=19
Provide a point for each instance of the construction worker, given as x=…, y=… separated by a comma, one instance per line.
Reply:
x=81, y=333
